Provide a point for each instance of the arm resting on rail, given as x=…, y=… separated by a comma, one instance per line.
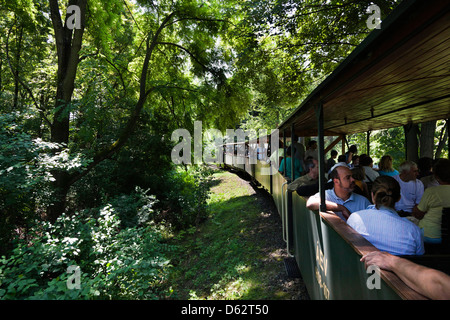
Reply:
x=313, y=203
x=431, y=283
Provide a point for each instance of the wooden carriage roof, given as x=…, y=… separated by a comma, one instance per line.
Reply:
x=399, y=74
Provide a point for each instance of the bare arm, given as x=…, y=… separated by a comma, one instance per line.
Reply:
x=313, y=203
x=431, y=283
x=417, y=213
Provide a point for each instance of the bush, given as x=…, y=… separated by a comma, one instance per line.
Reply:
x=114, y=263
x=185, y=201
x=25, y=179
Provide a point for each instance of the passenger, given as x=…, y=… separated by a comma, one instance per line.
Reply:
x=311, y=177
x=331, y=162
x=429, y=282
x=425, y=165
x=355, y=161
x=341, y=158
x=312, y=150
x=434, y=199
x=350, y=153
x=411, y=188
x=297, y=165
x=428, y=180
x=341, y=199
x=341, y=162
x=359, y=176
x=386, y=168
x=382, y=226
x=299, y=151
x=367, y=164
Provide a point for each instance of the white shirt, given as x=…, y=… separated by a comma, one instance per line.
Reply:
x=411, y=193
x=371, y=174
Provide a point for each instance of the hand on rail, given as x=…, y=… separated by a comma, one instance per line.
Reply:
x=345, y=212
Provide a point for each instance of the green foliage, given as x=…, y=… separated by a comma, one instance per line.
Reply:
x=186, y=197
x=25, y=166
x=115, y=263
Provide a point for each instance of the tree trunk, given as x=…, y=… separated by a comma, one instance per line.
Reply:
x=442, y=140
x=16, y=71
x=68, y=45
x=411, y=142
x=427, y=139
x=68, y=58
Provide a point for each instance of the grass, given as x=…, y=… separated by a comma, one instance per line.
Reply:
x=233, y=254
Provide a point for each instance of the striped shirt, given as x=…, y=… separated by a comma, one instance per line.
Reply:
x=387, y=231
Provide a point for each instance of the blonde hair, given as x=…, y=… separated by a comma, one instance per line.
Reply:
x=386, y=192
x=386, y=163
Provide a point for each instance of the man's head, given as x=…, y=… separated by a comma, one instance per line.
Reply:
x=408, y=171
x=442, y=171
x=312, y=166
x=312, y=144
x=342, y=180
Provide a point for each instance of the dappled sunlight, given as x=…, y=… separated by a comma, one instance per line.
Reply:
x=238, y=252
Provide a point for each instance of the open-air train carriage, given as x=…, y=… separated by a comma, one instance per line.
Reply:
x=399, y=74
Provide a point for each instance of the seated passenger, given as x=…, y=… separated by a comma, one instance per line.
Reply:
x=341, y=162
x=312, y=150
x=297, y=165
x=312, y=169
x=367, y=164
x=385, y=167
x=331, y=162
x=350, y=154
x=382, y=226
x=428, y=180
x=425, y=166
x=355, y=161
x=341, y=199
x=434, y=199
x=411, y=188
x=359, y=176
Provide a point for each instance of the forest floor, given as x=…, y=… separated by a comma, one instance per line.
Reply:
x=238, y=252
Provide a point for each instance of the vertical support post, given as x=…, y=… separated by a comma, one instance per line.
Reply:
x=344, y=138
x=321, y=146
x=292, y=153
x=284, y=152
x=368, y=142
x=270, y=154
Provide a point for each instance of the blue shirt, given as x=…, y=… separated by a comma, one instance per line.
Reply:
x=387, y=231
x=354, y=203
x=388, y=173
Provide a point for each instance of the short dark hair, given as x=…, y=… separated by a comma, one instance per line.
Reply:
x=441, y=170
x=309, y=164
x=334, y=174
x=366, y=161
x=334, y=152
